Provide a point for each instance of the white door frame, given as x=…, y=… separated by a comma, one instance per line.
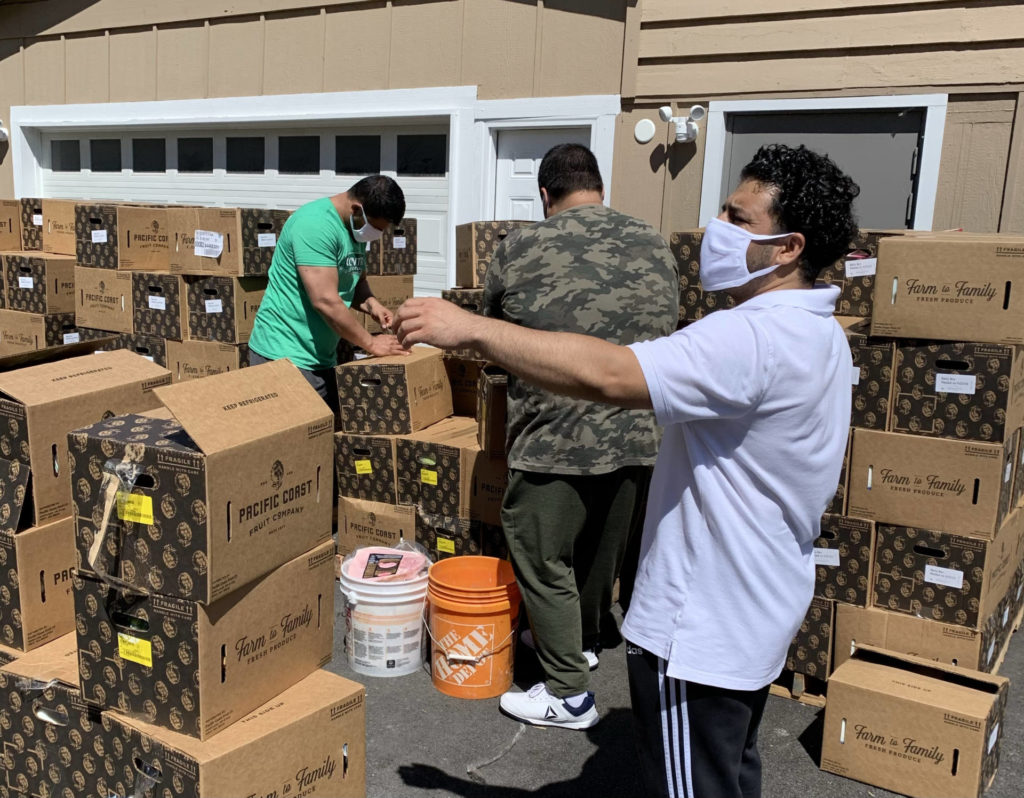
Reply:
x=934, y=106
x=473, y=125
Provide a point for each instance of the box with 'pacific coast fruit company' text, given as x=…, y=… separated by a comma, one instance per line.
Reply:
x=197, y=668
x=40, y=404
x=201, y=502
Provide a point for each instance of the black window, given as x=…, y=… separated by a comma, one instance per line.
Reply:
x=245, y=154
x=422, y=154
x=149, y=155
x=65, y=155
x=105, y=155
x=357, y=155
x=298, y=155
x=195, y=155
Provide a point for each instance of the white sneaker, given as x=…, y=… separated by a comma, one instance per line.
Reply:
x=538, y=707
x=526, y=638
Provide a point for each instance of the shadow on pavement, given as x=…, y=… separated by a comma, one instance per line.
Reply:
x=610, y=770
x=810, y=738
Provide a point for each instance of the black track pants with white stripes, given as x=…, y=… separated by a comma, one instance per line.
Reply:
x=694, y=741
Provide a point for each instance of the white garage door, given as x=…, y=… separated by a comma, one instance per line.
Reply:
x=260, y=167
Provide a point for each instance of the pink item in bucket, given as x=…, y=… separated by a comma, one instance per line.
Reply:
x=378, y=564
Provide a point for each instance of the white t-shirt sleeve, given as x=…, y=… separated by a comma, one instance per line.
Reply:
x=717, y=368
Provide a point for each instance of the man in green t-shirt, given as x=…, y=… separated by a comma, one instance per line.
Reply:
x=317, y=278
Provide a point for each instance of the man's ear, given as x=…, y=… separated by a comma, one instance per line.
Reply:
x=791, y=249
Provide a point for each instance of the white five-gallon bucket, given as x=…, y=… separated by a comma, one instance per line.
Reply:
x=384, y=625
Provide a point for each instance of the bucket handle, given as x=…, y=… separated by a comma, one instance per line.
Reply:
x=465, y=659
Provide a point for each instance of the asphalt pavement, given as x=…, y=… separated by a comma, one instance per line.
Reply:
x=423, y=743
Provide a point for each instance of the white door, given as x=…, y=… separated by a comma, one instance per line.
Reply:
x=519, y=155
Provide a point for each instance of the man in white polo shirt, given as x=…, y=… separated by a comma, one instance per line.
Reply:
x=755, y=405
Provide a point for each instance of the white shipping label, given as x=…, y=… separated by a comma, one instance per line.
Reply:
x=399, y=242
x=72, y=338
x=826, y=557
x=25, y=282
x=99, y=236
x=157, y=302
x=949, y=577
x=37, y=219
x=266, y=239
x=855, y=375
x=861, y=267
x=956, y=383
x=214, y=306
x=992, y=738
x=209, y=244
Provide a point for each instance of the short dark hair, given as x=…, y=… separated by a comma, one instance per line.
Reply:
x=381, y=198
x=810, y=195
x=567, y=168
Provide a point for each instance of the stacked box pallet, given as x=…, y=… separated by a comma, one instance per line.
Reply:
x=201, y=606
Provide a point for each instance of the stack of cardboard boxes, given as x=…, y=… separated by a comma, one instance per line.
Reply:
x=391, y=267
x=202, y=597
x=920, y=580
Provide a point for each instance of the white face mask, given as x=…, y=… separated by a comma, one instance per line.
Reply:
x=723, y=256
x=366, y=233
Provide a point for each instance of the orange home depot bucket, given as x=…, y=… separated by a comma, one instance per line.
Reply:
x=474, y=606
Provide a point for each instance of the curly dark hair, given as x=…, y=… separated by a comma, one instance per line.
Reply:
x=810, y=195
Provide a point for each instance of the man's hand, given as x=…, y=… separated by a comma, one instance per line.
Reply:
x=379, y=313
x=384, y=345
x=436, y=322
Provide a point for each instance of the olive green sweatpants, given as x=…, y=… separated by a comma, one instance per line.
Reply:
x=566, y=538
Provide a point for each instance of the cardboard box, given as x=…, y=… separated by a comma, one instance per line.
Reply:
x=152, y=347
x=35, y=584
x=394, y=252
x=310, y=740
x=449, y=536
x=443, y=471
x=191, y=360
x=394, y=395
x=104, y=300
x=855, y=273
x=942, y=576
x=31, y=223
x=367, y=523
x=226, y=241
x=963, y=288
x=907, y=634
x=196, y=668
x=475, y=244
x=8, y=654
x=40, y=404
x=232, y=482
x=51, y=355
x=40, y=283
x=469, y=299
x=223, y=308
x=464, y=378
x=59, y=226
x=838, y=504
x=810, y=652
x=492, y=411
x=1017, y=498
x=957, y=486
x=54, y=743
x=27, y=332
x=912, y=726
x=142, y=242
x=10, y=225
x=694, y=301
x=365, y=467
x=872, y=376
x=158, y=305
x=842, y=559
x=391, y=291
x=967, y=391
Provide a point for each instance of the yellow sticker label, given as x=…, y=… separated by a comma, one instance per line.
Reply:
x=364, y=467
x=135, y=508
x=428, y=477
x=135, y=649
x=445, y=545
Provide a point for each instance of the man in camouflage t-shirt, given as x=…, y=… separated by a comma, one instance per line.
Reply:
x=578, y=470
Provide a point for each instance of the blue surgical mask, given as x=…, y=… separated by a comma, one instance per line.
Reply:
x=366, y=233
x=723, y=256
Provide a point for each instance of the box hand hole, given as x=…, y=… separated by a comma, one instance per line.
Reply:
x=55, y=716
x=132, y=624
x=828, y=534
x=871, y=473
x=977, y=489
x=1006, y=296
x=344, y=761
x=148, y=769
x=42, y=586
x=928, y=551
x=145, y=481
x=952, y=365
x=56, y=460
x=229, y=520
x=370, y=381
x=956, y=760
x=895, y=288
x=842, y=732
x=223, y=663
